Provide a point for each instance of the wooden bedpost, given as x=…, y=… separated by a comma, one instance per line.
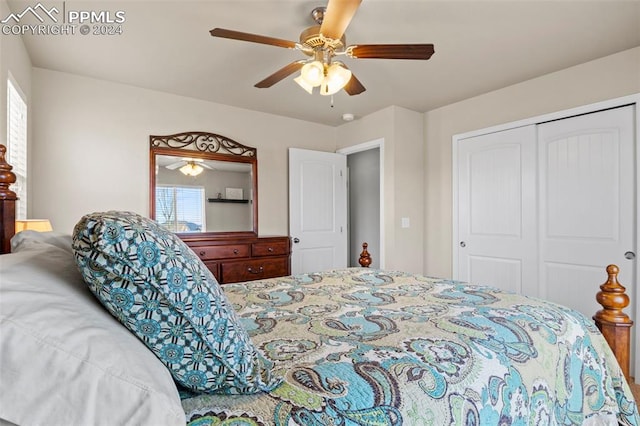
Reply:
x=614, y=324
x=7, y=203
x=365, y=257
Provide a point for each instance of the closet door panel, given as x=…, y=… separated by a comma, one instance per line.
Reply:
x=587, y=209
x=496, y=199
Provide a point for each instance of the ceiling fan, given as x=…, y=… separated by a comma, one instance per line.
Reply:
x=189, y=166
x=322, y=43
x=184, y=161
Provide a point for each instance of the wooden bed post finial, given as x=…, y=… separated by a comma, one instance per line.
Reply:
x=7, y=177
x=365, y=257
x=613, y=299
x=614, y=324
x=7, y=203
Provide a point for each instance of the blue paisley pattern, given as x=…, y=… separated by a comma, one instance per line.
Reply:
x=159, y=289
x=363, y=347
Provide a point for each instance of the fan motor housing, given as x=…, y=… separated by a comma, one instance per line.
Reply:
x=312, y=39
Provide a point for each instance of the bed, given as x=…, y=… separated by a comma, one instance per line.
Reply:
x=357, y=346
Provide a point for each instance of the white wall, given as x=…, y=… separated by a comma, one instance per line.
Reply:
x=14, y=60
x=91, y=153
x=606, y=78
x=91, y=146
x=402, y=132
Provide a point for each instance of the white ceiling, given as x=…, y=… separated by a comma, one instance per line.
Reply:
x=480, y=46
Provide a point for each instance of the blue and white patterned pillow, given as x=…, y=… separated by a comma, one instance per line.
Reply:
x=160, y=290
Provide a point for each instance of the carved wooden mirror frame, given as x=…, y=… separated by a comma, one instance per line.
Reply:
x=207, y=146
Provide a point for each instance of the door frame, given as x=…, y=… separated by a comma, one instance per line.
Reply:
x=365, y=146
x=585, y=109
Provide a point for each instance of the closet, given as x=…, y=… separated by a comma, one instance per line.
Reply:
x=543, y=205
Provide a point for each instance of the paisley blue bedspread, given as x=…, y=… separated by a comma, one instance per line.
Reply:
x=368, y=347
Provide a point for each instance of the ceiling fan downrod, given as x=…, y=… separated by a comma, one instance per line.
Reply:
x=318, y=14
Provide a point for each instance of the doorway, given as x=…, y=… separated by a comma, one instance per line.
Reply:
x=318, y=207
x=365, y=171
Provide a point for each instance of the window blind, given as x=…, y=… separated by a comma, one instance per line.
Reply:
x=17, y=141
x=180, y=208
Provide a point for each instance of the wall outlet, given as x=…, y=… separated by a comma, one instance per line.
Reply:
x=405, y=222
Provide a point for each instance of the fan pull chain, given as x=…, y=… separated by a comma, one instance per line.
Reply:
x=331, y=101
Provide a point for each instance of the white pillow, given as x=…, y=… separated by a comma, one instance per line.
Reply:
x=64, y=360
x=26, y=240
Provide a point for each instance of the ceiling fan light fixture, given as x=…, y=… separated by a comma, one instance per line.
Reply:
x=303, y=83
x=337, y=77
x=313, y=73
x=191, y=169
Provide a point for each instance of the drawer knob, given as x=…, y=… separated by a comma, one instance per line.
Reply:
x=235, y=251
x=270, y=249
x=251, y=271
x=202, y=253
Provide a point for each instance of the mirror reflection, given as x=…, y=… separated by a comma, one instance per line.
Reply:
x=203, y=195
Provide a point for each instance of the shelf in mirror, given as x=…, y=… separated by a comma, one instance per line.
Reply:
x=226, y=200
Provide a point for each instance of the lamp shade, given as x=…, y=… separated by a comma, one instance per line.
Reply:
x=337, y=77
x=313, y=73
x=40, y=225
x=303, y=83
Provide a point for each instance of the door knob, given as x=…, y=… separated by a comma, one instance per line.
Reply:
x=463, y=244
x=296, y=240
x=630, y=255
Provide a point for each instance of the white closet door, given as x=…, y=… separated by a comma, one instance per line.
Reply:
x=497, y=210
x=587, y=209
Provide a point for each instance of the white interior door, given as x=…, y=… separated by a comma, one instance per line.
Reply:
x=496, y=210
x=587, y=208
x=317, y=210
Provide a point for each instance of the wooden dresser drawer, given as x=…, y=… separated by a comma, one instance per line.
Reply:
x=223, y=252
x=248, y=270
x=243, y=258
x=276, y=248
x=214, y=267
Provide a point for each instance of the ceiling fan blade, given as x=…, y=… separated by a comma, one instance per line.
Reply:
x=174, y=166
x=253, y=38
x=354, y=87
x=391, y=51
x=282, y=73
x=337, y=17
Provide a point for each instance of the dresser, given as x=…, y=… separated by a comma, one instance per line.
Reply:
x=221, y=176
x=236, y=259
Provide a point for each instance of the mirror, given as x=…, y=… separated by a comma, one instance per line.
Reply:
x=203, y=183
